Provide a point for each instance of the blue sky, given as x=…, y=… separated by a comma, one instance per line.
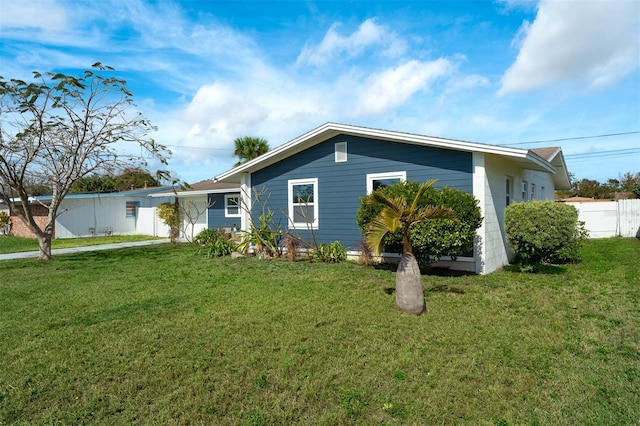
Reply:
x=205, y=72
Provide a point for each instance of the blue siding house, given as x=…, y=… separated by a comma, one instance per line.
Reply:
x=314, y=182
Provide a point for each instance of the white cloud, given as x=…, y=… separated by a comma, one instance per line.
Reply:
x=591, y=43
x=19, y=14
x=391, y=88
x=368, y=34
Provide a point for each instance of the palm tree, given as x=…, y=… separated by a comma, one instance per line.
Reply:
x=249, y=147
x=398, y=215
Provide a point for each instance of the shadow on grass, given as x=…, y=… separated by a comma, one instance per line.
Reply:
x=547, y=269
x=433, y=271
x=442, y=288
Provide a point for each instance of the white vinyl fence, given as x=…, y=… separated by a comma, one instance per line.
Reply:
x=149, y=223
x=610, y=218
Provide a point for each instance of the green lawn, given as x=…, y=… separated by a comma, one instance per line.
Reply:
x=161, y=335
x=9, y=244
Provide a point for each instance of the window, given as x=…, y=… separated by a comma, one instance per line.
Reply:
x=303, y=203
x=381, y=180
x=524, y=190
x=341, y=152
x=508, y=191
x=533, y=192
x=232, y=205
x=131, y=208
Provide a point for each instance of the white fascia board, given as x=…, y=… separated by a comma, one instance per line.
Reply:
x=199, y=192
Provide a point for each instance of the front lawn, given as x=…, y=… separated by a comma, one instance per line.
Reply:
x=10, y=244
x=162, y=335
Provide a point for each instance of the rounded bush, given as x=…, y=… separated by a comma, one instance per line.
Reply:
x=544, y=232
x=432, y=238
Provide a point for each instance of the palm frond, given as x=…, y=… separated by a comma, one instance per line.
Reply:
x=388, y=221
x=421, y=190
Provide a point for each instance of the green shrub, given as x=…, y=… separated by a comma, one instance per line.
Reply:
x=207, y=236
x=544, y=232
x=433, y=238
x=214, y=244
x=330, y=253
x=218, y=248
x=4, y=219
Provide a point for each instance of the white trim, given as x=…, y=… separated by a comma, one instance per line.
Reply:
x=226, y=205
x=480, y=192
x=341, y=154
x=402, y=175
x=302, y=225
x=246, y=203
x=198, y=192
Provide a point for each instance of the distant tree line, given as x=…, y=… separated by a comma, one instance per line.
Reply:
x=128, y=179
x=628, y=186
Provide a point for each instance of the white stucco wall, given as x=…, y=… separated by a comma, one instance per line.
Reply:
x=104, y=215
x=490, y=186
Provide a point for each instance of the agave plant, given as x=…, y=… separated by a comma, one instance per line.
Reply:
x=400, y=214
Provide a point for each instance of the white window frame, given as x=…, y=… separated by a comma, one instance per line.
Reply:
x=525, y=190
x=292, y=205
x=227, y=197
x=509, y=190
x=402, y=176
x=341, y=152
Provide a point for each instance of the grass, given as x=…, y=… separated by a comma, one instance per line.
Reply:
x=9, y=244
x=162, y=335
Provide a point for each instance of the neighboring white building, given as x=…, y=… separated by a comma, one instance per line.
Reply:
x=113, y=213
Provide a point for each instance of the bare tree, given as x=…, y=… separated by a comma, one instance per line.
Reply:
x=59, y=128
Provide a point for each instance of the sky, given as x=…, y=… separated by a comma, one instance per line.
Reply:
x=525, y=74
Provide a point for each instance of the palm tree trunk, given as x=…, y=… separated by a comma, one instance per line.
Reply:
x=409, y=293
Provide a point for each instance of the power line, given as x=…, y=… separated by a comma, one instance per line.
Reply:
x=625, y=151
x=574, y=138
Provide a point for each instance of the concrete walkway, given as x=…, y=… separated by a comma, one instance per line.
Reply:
x=54, y=252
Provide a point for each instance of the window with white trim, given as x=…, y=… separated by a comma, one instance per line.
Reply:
x=525, y=185
x=303, y=203
x=508, y=190
x=382, y=180
x=232, y=205
x=341, y=152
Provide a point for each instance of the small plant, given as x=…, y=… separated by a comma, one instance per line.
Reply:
x=207, y=236
x=169, y=213
x=214, y=244
x=264, y=238
x=395, y=410
x=261, y=381
x=218, y=248
x=353, y=402
x=292, y=246
x=334, y=252
x=365, y=257
x=5, y=220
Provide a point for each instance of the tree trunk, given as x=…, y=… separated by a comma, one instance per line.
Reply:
x=45, y=247
x=409, y=293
